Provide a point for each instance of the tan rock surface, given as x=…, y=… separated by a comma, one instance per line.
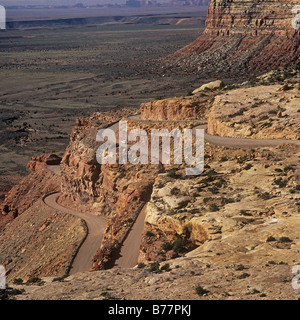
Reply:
x=210, y=86
x=181, y=108
x=261, y=112
x=252, y=238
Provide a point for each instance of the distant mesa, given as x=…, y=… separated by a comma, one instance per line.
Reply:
x=243, y=37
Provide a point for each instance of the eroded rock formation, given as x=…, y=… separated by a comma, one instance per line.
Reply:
x=36, y=163
x=119, y=192
x=190, y=107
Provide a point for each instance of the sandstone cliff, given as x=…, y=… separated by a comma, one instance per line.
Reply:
x=243, y=37
x=190, y=107
x=118, y=192
x=172, y=109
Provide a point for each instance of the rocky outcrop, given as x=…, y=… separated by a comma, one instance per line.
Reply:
x=131, y=189
x=239, y=192
x=243, y=37
x=102, y=119
x=262, y=111
x=190, y=107
x=171, y=226
x=246, y=203
x=225, y=17
x=171, y=109
x=118, y=192
x=38, y=162
x=210, y=86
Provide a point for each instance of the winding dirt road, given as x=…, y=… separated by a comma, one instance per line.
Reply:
x=242, y=142
x=96, y=224
x=128, y=256
x=96, y=227
x=227, y=141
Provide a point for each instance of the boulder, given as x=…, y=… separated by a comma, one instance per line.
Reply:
x=210, y=86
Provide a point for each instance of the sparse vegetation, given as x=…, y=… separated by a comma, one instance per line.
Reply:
x=175, y=191
x=243, y=276
x=285, y=239
x=288, y=168
x=270, y=239
x=200, y=291
x=172, y=173
x=154, y=266
x=248, y=166
x=141, y=265
x=18, y=281
x=149, y=234
x=213, y=207
x=61, y=278
x=280, y=182
x=179, y=245
x=36, y=281
x=263, y=118
x=167, y=246
x=240, y=267
x=264, y=196
x=166, y=267
x=9, y=293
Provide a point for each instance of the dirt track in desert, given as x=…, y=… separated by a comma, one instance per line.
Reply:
x=128, y=255
x=96, y=228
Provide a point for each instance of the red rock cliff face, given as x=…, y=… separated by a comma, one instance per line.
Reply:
x=244, y=36
x=118, y=192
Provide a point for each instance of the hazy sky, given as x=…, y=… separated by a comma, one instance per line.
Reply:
x=59, y=2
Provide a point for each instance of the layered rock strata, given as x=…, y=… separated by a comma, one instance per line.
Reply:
x=190, y=107
x=243, y=37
